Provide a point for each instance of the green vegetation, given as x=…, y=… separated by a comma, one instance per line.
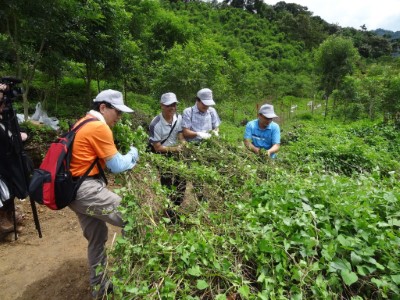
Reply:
x=320, y=222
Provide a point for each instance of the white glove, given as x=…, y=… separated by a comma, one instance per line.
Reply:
x=204, y=135
x=135, y=154
x=215, y=132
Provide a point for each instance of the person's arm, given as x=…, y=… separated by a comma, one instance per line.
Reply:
x=276, y=140
x=118, y=163
x=177, y=148
x=189, y=134
x=187, y=124
x=215, y=120
x=249, y=145
x=273, y=149
x=247, y=139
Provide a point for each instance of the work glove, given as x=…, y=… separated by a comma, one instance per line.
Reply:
x=215, y=132
x=135, y=154
x=204, y=135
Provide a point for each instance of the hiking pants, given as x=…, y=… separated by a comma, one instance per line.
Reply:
x=95, y=206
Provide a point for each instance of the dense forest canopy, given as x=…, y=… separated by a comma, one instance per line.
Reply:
x=242, y=49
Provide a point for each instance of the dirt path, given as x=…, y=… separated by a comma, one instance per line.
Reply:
x=51, y=267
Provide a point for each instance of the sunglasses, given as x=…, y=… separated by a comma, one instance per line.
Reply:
x=108, y=105
x=119, y=113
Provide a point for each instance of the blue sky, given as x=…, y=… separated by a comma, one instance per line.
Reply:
x=383, y=14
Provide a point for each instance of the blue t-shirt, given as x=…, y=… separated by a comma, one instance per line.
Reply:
x=263, y=138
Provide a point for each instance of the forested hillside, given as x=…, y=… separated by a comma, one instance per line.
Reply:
x=247, y=51
x=319, y=222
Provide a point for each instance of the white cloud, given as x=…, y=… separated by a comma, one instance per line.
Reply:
x=354, y=13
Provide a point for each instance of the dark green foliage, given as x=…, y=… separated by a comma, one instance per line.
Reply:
x=344, y=151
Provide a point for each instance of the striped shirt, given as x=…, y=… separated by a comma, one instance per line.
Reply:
x=195, y=120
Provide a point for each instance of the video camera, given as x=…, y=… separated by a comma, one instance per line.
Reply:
x=12, y=90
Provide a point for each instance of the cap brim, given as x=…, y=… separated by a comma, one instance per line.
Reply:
x=208, y=102
x=123, y=108
x=270, y=116
x=170, y=102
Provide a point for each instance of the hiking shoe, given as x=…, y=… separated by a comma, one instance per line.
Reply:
x=5, y=224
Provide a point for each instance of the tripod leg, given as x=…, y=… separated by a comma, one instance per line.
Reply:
x=36, y=218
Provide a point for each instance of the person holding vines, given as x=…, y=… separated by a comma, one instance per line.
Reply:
x=166, y=138
x=200, y=122
x=262, y=135
x=95, y=205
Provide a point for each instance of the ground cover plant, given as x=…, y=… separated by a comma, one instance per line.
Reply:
x=320, y=222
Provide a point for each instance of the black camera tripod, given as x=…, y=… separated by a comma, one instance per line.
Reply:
x=14, y=162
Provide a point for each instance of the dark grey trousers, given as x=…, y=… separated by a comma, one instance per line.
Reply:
x=95, y=206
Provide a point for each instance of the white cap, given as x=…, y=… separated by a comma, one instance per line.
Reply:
x=267, y=110
x=114, y=98
x=168, y=98
x=206, y=96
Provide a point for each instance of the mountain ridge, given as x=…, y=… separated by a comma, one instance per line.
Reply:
x=393, y=35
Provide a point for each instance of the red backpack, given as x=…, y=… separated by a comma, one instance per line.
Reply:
x=52, y=184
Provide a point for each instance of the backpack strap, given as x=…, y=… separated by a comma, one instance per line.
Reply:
x=172, y=128
x=75, y=128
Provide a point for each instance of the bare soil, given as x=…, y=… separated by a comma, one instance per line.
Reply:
x=52, y=267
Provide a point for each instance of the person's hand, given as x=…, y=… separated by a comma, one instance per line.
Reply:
x=204, y=135
x=3, y=87
x=179, y=148
x=135, y=154
x=263, y=152
x=24, y=136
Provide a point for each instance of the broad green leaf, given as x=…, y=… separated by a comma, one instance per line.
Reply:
x=394, y=222
x=306, y=207
x=378, y=265
x=349, y=277
x=297, y=297
x=362, y=270
x=244, y=290
x=261, y=277
x=201, y=284
x=378, y=282
x=355, y=259
x=265, y=246
x=194, y=271
x=396, y=279
x=340, y=264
